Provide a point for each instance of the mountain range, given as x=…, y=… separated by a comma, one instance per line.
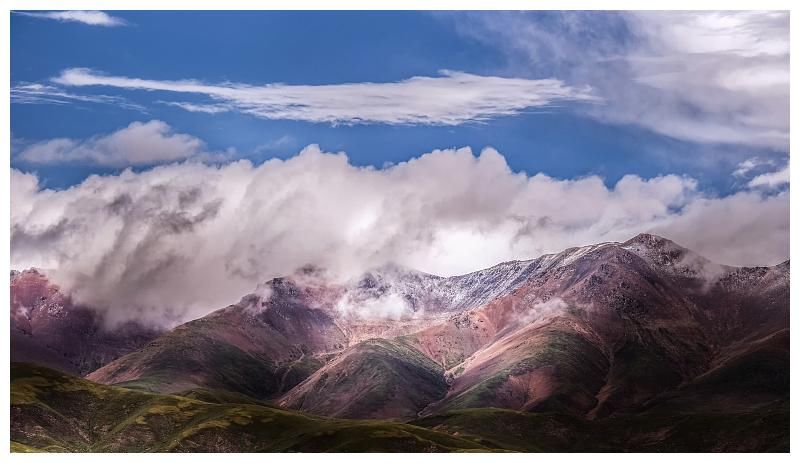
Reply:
x=641, y=345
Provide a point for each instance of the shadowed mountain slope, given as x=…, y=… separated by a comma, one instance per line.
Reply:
x=372, y=379
x=56, y=412
x=51, y=411
x=47, y=328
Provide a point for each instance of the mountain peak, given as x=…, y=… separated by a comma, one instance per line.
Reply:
x=650, y=240
x=670, y=256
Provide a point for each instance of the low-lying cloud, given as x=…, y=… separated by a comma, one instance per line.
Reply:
x=552, y=307
x=174, y=242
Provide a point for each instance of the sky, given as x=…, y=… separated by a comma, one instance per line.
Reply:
x=230, y=147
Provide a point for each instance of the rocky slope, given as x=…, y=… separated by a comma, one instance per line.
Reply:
x=46, y=328
x=596, y=331
x=262, y=346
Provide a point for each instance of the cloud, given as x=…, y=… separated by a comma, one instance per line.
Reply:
x=176, y=241
x=702, y=76
x=138, y=144
x=92, y=18
x=391, y=305
x=33, y=93
x=450, y=99
x=198, y=108
x=283, y=142
x=762, y=173
x=553, y=307
x=771, y=179
x=749, y=165
x=747, y=228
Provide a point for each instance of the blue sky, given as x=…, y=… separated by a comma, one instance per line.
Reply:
x=565, y=139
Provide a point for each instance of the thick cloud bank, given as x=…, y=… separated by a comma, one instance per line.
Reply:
x=177, y=241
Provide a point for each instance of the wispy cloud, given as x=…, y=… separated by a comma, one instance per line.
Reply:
x=771, y=179
x=749, y=165
x=283, y=142
x=702, y=76
x=140, y=143
x=452, y=98
x=198, y=108
x=92, y=18
x=33, y=93
x=763, y=173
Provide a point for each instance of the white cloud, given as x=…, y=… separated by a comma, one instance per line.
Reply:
x=198, y=108
x=140, y=143
x=730, y=67
x=762, y=173
x=771, y=179
x=749, y=165
x=552, y=307
x=33, y=93
x=450, y=99
x=92, y=18
x=177, y=241
x=702, y=76
x=747, y=228
x=390, y=305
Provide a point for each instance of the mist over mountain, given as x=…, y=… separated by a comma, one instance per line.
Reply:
x=170, y=243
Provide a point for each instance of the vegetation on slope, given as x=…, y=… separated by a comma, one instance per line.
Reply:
x=51, y=411
x=763, y=430
x=376, y=378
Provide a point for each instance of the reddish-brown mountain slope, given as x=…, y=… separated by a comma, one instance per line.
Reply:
x=595, y=331
x=46, y=328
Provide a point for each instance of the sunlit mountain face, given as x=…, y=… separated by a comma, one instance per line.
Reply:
x=417, y=231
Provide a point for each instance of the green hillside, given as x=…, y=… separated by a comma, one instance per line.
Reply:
x=51, y=411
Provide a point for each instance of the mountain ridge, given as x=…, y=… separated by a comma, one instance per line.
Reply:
x=594, y=331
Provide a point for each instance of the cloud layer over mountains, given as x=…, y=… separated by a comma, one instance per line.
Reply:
x=180, y=240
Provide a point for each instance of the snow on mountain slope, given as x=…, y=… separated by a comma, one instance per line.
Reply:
x=665, y=255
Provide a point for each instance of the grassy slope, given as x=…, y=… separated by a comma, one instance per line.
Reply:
x=179, y=360
x=765, y=430
x=578, y=366
x=373, y=379
x=51, y=411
